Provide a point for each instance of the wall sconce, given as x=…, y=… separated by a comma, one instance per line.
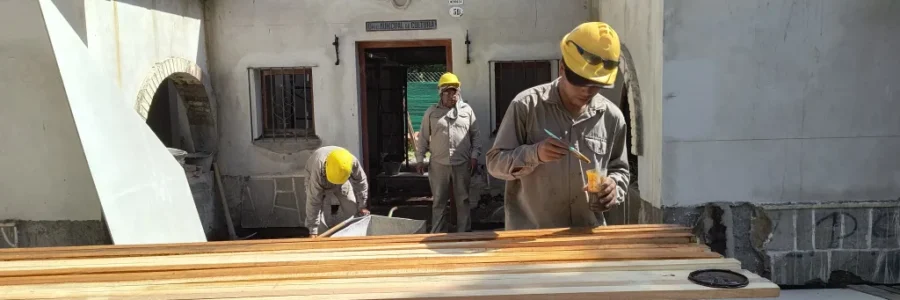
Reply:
x=337, y=50
x=468, y=59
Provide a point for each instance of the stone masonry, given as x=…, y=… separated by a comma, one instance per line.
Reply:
x=832, y=244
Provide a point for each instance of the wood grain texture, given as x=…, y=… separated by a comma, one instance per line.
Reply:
x=615, y=262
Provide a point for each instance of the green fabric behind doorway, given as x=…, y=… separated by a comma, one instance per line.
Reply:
x=419, y=96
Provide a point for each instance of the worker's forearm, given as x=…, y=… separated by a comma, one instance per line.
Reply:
x=512, y=164
x=621, y=177
x=313, y=209
x=312, y=218
x=475, y=134
x=420, y=151
x=422, y=142
x=361, y=202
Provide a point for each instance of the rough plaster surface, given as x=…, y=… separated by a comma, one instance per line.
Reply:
x=203, y=190
x=756, y=110
x=640, y=25
x=45, y=176
x=60, y=233
x=128, y=37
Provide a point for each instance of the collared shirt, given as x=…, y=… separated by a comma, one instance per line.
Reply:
x=551, y=195
x=317, y=185
x=451, y=134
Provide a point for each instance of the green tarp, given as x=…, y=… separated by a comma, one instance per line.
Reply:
x=419, y=96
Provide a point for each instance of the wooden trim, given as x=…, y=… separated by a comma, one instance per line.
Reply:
x=361, y=47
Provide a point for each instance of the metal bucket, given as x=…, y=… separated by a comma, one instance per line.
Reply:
x=178, y=154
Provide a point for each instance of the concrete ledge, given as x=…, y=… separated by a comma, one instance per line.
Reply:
x=59, y=233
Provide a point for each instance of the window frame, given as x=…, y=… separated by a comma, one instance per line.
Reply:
x=495, y=123
x=259, y=105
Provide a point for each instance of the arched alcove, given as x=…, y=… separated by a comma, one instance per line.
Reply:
x=193, y=89
x=177, y=103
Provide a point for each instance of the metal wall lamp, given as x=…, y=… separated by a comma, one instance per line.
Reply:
x=468, y=42
x=337, y=50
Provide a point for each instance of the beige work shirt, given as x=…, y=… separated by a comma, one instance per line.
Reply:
x=350, y=196
x=551, y=195
x=451, y=134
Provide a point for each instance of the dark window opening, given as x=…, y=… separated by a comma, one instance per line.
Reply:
x=513, y=77
x=286, y=103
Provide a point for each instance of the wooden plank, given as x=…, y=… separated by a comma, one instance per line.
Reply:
x=889, y=289
x=631, y=262
x=176, y=263
x=670, y=284
x=436, y=237
x=331, y=243
x=291, y=272
x=874, y=291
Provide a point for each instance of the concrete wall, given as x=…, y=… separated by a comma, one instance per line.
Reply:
x=129, y=36
x=780, y=121
x=780, y=101
x=639, y=25
x=45, y=175
x=111, y=49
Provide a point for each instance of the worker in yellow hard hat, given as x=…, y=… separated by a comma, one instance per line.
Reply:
x=450, y=132
x=546, y=182
x=336, y=188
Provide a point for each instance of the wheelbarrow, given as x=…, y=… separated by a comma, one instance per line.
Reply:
x=373, y=225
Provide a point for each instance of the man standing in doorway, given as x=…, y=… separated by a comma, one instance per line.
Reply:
x=449, y=131
x=336, y=188
x=545, y=185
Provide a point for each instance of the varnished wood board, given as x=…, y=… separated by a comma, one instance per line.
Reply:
x=611, y=232
x=282, y=272
x=668, y=284
x=143, y=264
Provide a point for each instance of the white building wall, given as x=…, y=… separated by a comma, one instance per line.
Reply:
x=299, y=33
x=639, y=25
x=129, y=36
x=780, y=101
x=46, y=175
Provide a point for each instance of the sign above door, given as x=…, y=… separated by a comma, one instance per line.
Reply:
x=401, y=25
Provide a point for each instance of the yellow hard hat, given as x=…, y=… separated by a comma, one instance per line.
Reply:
x=338, y=166
x=592, y=50
x=448, y=79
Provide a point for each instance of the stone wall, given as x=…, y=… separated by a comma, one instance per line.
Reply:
x=830, y=244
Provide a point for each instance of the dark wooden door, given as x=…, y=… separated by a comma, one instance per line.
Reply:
x=386, y=96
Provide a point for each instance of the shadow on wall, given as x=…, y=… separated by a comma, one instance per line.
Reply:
x=73, y=12
x=180, y=7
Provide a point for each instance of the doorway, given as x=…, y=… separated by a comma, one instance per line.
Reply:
x=398, y=82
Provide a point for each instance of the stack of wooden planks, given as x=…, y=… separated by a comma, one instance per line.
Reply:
x=613, y=262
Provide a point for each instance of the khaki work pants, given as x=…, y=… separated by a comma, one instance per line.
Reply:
x=443, y=178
